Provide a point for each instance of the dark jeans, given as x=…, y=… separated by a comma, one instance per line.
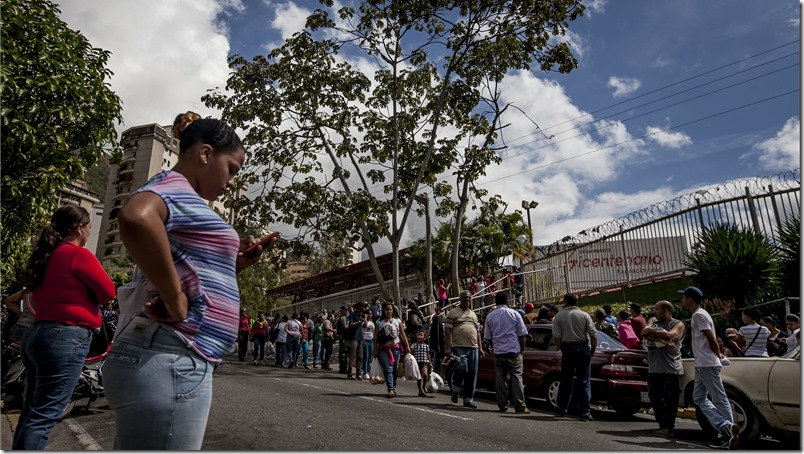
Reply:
x=259, y=346
x=663, y=391
x=464, y=372
x=242, y=345
x=53, y=354
x=326, y=345
x=576, y=359
x=281, y=351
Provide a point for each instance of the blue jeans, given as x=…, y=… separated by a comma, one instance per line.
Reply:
x=717, y=410
x=464, y=372
x=388, y=370
x=318, y=353
x=281, y=351
x=53, y=354
x=368, y=353
x=304, y=348
x=576, y=359
x=159, y=389
x=292, y=346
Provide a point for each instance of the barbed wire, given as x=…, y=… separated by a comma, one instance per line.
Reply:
x=757, y=186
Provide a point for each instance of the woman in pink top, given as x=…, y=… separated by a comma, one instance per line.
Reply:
x=441, y=293
x=627, y=335
x=68, y=285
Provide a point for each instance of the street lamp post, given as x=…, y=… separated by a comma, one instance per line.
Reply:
x=527, y=206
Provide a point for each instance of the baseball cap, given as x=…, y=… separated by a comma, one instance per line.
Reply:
x=528, y=306
x=691, y=291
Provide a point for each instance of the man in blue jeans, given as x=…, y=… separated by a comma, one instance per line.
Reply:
x=575, y=335
x=463, y=345
x=708, y=393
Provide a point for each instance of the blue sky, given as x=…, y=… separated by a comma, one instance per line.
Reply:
x=631, y=52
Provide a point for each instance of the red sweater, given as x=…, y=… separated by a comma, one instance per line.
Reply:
x=74, y=286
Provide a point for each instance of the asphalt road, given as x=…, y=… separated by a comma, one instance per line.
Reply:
x=265, y=408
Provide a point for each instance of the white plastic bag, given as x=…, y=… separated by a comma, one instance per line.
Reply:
x=434, y=382
x=376, y=375
x=269, y=349
x=412, y=371
x=131, y=299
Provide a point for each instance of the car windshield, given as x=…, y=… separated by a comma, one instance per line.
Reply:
x=606, y=342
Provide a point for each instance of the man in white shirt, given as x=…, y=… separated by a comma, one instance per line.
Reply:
x=707, y=372
x=793, y=324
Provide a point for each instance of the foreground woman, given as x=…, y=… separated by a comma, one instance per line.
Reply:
x=159, y=372
x=390, y=343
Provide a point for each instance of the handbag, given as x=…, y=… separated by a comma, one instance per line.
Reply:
x=131, y=299
x=376, y=375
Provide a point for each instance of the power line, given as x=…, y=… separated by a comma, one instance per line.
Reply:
x=543, y=166
x=659, y=99
x=665, y=87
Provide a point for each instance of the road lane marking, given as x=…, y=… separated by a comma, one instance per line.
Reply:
x=84, y=439
x=374, y=399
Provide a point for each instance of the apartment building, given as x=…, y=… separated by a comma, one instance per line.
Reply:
x=77, y=193
x=147, y=151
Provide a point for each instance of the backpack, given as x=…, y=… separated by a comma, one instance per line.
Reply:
x=387, y=333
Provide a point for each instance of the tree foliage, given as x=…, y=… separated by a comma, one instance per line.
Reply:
x=734, y=263
x=790, y=257
x=58, y=112
x=341, y=149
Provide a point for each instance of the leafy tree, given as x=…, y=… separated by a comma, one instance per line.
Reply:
x=734, y=263
x=336, y=151
x=97, y=176
x=790, y=257
x=57, y=114
x=330, y=254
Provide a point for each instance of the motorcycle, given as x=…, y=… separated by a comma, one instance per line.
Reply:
x=90, y=382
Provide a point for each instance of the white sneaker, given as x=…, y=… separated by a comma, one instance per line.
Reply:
x=366, y=376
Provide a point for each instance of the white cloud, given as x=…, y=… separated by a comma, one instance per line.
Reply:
x=290, y=18
x=623, y=85
x=660, y=62
x=782, y=152
x=595, y=7
x=669, y=139
x=165, y=55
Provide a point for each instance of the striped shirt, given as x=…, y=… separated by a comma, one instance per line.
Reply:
x=758, y=347
x=204, y=249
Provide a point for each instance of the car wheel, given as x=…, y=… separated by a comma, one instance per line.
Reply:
x=551, y=391
x=626, y=409
x=744, y=413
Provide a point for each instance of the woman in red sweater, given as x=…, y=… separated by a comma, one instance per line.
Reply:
x=68, y=285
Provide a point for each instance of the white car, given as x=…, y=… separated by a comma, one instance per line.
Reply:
x=765, y=395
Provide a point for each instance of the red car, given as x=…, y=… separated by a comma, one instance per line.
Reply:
x=618, y=380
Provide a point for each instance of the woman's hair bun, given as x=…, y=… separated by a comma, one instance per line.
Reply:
x=182, y=121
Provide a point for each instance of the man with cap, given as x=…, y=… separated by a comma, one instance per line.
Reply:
x=463, y=345
x=530, y=316
x=574, y=334
x=708, y=393
x=505, y=331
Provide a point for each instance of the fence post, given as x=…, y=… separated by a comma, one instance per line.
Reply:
x=566, y=275
x=753, y=210
x=700, y=212
x=775, y=208
x=625, y=258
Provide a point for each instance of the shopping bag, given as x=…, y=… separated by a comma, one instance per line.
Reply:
x=376, y=375
x=269, y=349
x=434, y=382
x=412, y=368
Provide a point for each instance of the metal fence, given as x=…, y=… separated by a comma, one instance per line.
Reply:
x=652, y=244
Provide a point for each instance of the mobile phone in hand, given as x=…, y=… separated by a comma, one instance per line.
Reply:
x=261, y=242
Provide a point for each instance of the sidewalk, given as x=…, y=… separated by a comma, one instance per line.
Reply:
x=61, y=437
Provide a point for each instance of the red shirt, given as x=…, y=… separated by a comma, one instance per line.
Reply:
x=259, y=328
x=75, y=284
